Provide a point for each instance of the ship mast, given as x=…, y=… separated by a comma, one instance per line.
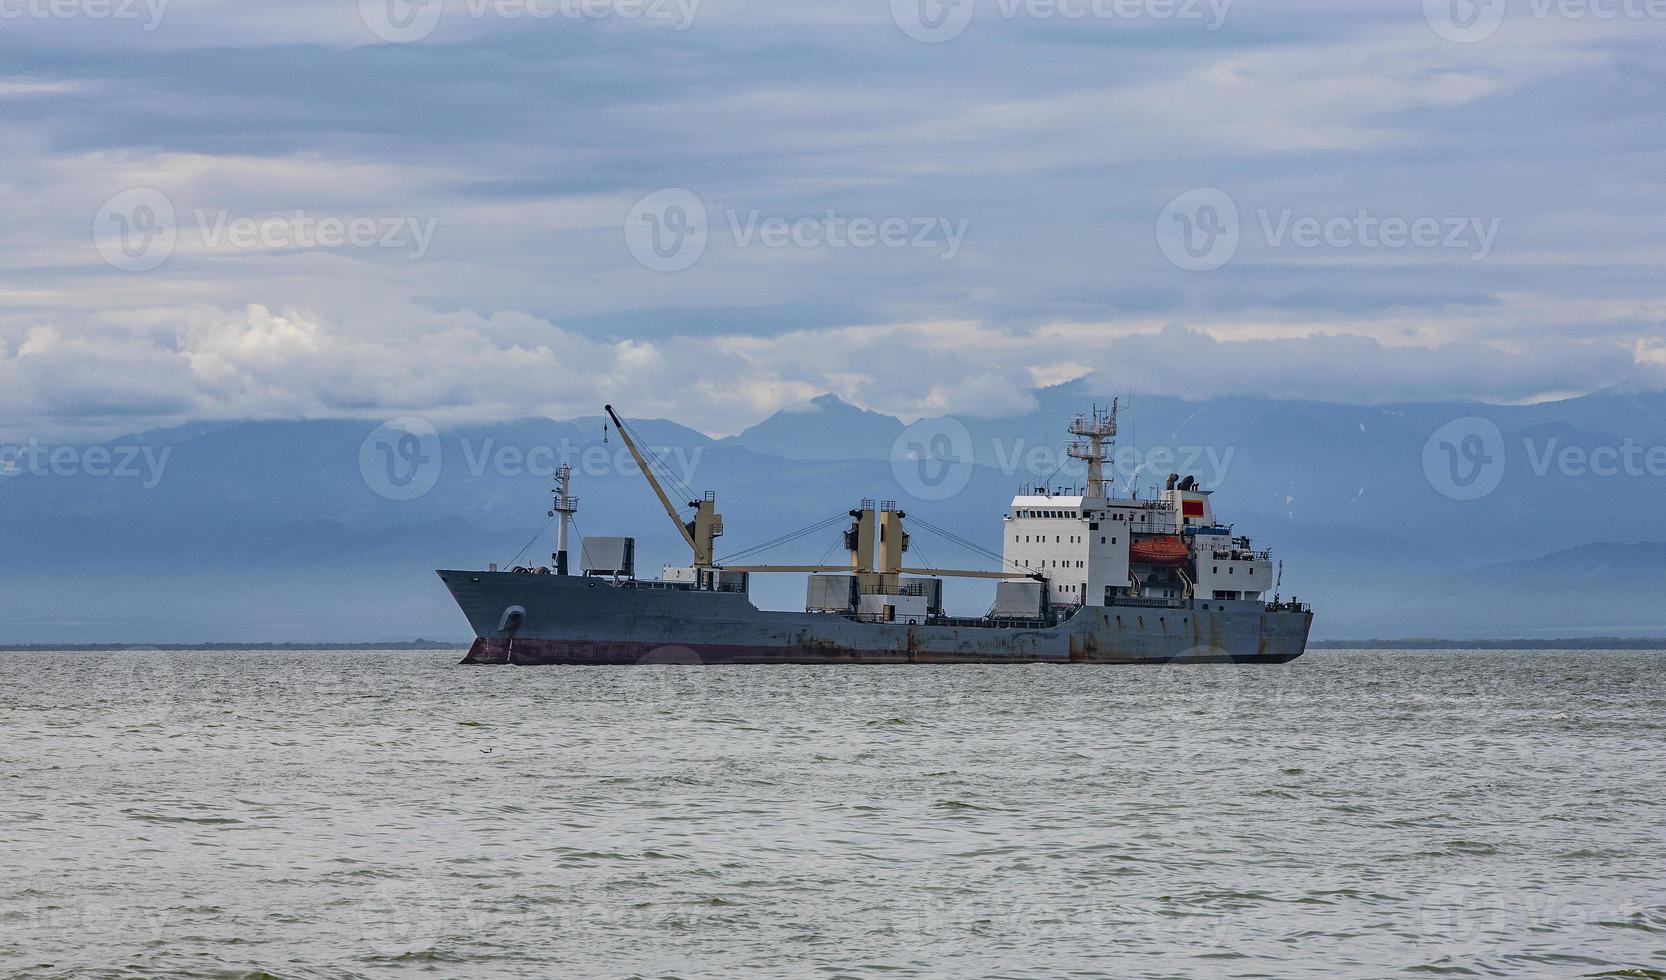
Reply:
x=1094, y=435
x=564, y=508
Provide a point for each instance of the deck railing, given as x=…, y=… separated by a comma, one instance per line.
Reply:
x=1140, y=602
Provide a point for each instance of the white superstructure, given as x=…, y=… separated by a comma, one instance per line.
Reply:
x=1096, y=548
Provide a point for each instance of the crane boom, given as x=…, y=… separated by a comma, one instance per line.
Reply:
x=771, y=569
x=955, y=573
x=642, y=464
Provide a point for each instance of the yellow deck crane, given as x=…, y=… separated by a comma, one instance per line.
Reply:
x=876, y=539
x=701, y=533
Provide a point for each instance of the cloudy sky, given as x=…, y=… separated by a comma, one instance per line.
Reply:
x=709, y=210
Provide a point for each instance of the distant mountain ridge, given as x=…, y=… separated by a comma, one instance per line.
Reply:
x=277, y=531
x=824, y=428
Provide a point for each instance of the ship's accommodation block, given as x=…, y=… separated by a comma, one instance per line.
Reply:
x=1093, y=550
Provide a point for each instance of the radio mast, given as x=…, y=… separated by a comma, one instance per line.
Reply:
x=1095, y=433
x=565, y=507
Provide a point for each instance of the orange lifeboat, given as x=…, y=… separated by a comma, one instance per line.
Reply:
x=1163, y=549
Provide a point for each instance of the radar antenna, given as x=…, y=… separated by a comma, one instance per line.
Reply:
x=1095, y=433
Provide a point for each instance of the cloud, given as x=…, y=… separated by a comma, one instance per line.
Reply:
x=523, y=143
x=155, y=367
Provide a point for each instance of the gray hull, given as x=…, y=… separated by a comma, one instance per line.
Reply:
x=550, y=619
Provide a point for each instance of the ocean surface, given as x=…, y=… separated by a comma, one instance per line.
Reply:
x=369, y=814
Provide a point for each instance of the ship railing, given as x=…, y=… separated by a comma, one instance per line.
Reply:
x=1140, y=602
x=992, y=622
x=1296, y=607
x=678, y=586
x=917, y=589
x=1167, y=530
x=984, y=623
x=658, y=585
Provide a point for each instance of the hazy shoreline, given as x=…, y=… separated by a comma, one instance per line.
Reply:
x=1418, y=643
x=460, y=645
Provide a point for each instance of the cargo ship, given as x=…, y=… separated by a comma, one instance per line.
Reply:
x=1084, y=577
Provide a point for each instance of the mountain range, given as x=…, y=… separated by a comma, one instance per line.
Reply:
x=277, y=531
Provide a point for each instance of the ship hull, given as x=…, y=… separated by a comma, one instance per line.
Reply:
x=547, y=619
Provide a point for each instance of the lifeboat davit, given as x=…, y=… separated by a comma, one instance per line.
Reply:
x=1163, y=549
